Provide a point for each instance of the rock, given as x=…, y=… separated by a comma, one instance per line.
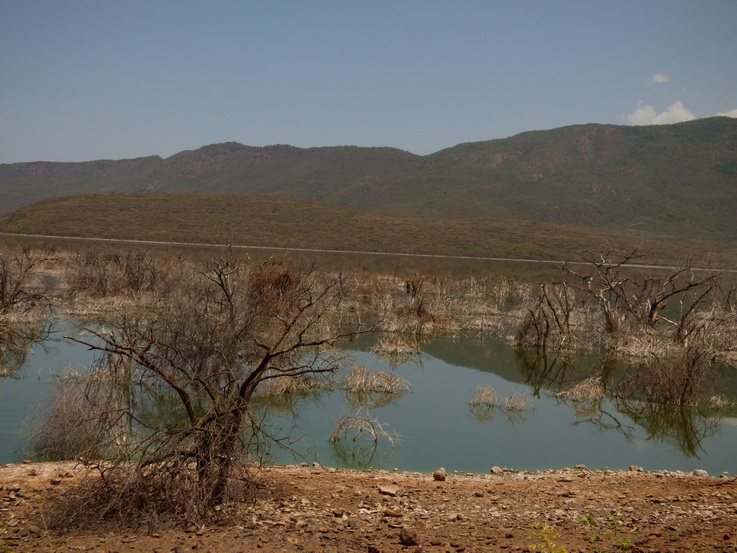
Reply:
x=407, y=536
x=55, y=481
x=439, y=475
x=373, y=549
x=700, y=472
x=496, y=470
x=635, y=468
x=391, y=491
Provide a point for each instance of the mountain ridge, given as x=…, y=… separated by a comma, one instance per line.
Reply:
x=678, y=179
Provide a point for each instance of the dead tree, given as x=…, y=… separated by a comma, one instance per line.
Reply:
x=208, y=351
x=641, y=298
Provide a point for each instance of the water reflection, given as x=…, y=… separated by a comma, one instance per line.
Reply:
x=680, y=425
x=437, y=424
x=16, y=341
x=685, y=427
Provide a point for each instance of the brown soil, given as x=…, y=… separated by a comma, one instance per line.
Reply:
x=316, y=509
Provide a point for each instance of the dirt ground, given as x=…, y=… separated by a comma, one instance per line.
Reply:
x=317, y=509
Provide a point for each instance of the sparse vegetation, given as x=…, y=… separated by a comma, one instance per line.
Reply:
x=169, y=405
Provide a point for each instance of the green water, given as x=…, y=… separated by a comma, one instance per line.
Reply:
x=433, y=422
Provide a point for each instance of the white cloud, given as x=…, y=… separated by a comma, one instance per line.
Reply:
x=730, y=113
x=646, y=115
x=660, y=78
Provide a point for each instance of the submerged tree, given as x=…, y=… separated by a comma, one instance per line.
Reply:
x=24, y=304
x=204, y=354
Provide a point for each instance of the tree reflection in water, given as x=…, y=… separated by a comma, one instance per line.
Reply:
x=15, y=344
x=682, y=426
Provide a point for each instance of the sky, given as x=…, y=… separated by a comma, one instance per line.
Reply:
x=109, y=79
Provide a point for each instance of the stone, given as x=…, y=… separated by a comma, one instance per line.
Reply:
x=407, y=536
x=496, y=470
x=439, y=475
x=700, y=472
x=391, y=491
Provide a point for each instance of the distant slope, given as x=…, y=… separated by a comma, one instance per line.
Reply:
x=676, y=179
x=299, y=223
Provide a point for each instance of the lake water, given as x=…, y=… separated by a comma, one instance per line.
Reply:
x=436, y=426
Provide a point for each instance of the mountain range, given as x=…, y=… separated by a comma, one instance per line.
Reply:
x=665, y=181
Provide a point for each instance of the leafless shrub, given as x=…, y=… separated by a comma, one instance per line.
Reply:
x=359, y=428
x=178, y=417
x=550, y=320
x=679, y=379
x=72, y=427
x=20, y=290
x=100, y=274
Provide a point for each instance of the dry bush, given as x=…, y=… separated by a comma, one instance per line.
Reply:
x=484, y=402
x=364, y=380
x=280, y=385
x=367, y=388
x=515, y=401
x=20, y=289
x=590, y=389
x=105, y=273
x=178, y=412
x=398, y=349
x=560, y=318
x=361, y=428
x=72, y=426
x=683, y=378
x=483, y=396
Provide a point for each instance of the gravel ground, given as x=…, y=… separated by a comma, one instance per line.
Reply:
x=310, y=508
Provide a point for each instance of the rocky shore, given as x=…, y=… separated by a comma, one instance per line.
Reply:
x=311, y=508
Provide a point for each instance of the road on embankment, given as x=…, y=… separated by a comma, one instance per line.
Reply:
x=342, y=252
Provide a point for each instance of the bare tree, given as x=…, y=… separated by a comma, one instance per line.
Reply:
x=642, y=298
x=203, y=354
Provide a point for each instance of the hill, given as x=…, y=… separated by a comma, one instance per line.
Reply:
x=303, y=223
x=679, y=179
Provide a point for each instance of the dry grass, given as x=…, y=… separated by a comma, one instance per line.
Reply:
x=361, y=427
x=483, y=396
x=515, y=401
x=363, y=380
x=590, y=389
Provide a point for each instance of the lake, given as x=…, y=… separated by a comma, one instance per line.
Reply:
x=435, y=425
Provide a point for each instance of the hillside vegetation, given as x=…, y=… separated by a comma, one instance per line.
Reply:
x=300, y=223
x=679, y=179
x=537, y=194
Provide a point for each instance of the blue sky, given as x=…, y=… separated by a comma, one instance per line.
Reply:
x=93, y=79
